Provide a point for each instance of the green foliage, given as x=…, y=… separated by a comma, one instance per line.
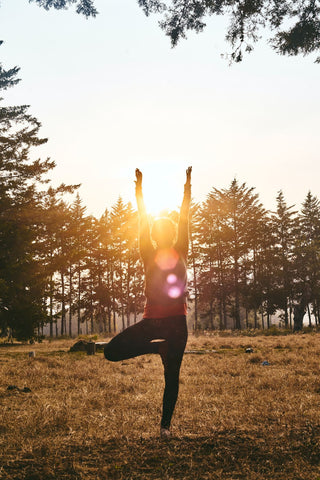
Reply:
x=229, y=235
x=84, y=7
x=295, y=24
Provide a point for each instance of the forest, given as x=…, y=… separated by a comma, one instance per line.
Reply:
x=245, y=263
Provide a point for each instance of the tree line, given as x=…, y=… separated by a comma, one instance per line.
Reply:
x=57, y=262
x=249, y=263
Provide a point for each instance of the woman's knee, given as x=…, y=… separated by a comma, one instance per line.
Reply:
x=110, y=353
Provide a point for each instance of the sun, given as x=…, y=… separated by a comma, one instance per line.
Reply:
x=162, y=191
x=160, y=196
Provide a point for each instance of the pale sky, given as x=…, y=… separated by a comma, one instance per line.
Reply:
x=112, y=95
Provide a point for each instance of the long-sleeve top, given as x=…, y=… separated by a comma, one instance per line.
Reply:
x=165, y=269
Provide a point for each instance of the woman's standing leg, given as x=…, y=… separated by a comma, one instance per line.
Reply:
x=171, y=353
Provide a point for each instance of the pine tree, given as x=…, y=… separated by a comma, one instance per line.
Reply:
x=241, y=206
x=284, y=227
x=91, y=272
x=22, y=277
x=306, y=255
x=213, y=282
x=49, y=255
x=107, y=294
x=80, y=226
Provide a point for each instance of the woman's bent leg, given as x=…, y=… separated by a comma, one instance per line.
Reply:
x=131, y=342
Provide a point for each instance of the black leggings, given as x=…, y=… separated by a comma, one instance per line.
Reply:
x=138, y=340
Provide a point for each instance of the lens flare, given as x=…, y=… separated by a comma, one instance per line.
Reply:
x=174, y=292
x=166, y=258
x=172, y=278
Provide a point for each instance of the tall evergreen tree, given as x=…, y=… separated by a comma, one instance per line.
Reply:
x=241, y=205
x=307, y=267
x=53, y=210
x=108, y=254
x=284, y=224
x=22, y=277
x=80, y=228
x=214, y=286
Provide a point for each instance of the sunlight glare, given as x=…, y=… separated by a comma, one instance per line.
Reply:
x=162, y=190
x=166, y=258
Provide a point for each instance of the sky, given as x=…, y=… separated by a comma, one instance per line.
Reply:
x=112, y=95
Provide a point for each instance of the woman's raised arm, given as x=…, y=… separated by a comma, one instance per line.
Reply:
x=145, y=243
x=183, y=225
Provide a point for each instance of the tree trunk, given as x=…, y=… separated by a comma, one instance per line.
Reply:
x=79, y=299
x=51, y=307
x=224, y=313
x=109, y=319
x=70, y=302
x=91, y=307
x=237, y=312
x=196, y=321
x=220, y=314
x=114, y=321
x=317, y=314
x=309, y=316
x=104, y=316
x=286, y=317
x=298, y=314
x=128, y=302
x=135, y=300
x=211, y=316
x=195, y=286
x=122, y=316
x=290, y=312
x=63, y=305
x=236, y=297
x=113, y=303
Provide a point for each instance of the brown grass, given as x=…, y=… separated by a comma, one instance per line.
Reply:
x=86, y=418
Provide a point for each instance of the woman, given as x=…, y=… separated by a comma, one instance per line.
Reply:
x=163, y=328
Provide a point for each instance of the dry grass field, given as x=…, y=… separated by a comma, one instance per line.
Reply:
x=86, y=418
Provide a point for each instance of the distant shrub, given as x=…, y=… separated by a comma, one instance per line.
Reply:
x=275, y=331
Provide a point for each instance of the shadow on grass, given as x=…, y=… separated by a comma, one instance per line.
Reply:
x=225, y=455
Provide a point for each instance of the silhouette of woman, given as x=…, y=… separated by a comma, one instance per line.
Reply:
x=163, y=329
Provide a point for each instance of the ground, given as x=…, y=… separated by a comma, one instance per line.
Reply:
x=86, y=418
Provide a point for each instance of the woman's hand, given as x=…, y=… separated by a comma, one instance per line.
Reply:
x=138, y=180
x=188, y=173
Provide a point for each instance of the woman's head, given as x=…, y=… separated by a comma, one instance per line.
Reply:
x=163, y=232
